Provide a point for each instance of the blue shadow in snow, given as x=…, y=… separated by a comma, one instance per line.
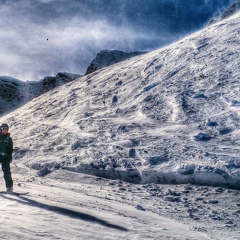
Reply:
x=64, y=211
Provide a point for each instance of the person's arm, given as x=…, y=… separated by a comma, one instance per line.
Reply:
x=10, y=149
x=10, y=146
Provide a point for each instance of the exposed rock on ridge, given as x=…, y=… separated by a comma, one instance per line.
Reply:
x=109, y=57
x=232, y=9
x=15, y=93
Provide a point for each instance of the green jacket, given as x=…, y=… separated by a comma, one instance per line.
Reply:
x=6, y=147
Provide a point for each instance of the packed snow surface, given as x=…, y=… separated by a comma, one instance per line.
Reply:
x=170, y=116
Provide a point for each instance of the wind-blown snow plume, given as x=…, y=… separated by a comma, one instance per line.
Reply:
x=232, y=9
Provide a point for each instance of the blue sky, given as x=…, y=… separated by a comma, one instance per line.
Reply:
x=43, y=37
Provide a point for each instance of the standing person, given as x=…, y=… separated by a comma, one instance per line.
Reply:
x=6, y=149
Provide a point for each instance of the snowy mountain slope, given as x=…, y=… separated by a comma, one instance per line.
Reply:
x=70, y=206
x=14, y=93
x=169, y=116
x=109, y=57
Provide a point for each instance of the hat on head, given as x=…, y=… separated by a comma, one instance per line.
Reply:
x=4, y=125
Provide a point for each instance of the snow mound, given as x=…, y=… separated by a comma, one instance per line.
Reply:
x=168, y=116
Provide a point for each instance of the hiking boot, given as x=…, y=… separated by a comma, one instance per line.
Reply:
x=9, y=190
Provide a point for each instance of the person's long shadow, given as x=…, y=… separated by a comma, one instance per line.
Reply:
x=65, y=212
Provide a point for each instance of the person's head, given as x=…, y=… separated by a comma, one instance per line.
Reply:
x=4, y=128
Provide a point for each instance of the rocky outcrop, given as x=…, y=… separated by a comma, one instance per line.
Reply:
x=232, y=9
x=235, y=7
x=10, y=93
x=49, y=82
x=14, y=93
x=109, y=57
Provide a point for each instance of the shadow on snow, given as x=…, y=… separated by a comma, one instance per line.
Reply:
x=65, y=212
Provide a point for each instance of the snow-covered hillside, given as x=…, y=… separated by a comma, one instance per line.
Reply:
x=170, y=116
x=15, y=93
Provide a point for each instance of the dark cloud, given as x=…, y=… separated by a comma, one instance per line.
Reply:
x=43, y=37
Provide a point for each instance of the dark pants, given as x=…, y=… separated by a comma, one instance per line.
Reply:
x=7, y=174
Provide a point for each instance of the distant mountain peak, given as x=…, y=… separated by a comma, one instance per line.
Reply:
x=50, y=82
x=14, y=93
x=109, y=57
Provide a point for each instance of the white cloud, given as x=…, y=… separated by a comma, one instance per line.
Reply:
x=46, y=46
x=43, y=37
